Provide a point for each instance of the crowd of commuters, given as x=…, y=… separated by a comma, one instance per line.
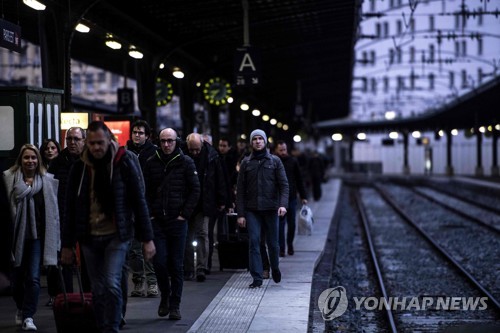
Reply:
x=145, y=209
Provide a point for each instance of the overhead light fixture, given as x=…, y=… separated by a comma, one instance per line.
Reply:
x=36, y=5
x=337, y=137
x=177, y=73
x=230, y=99
x=244, y=107
x=82, y=28
x=134, y=52
x=111, y=42
x=273, y=121
x=256, y=112
x=162, y=65
x=265, y=117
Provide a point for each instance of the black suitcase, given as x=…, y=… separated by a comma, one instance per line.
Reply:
x=232, y=245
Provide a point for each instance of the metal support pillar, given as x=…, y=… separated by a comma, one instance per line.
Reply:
x=495, y=172
x=406, y=167
x=449, y=143
x=479, y=154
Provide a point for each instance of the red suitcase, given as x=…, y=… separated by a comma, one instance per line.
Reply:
x=73, y=312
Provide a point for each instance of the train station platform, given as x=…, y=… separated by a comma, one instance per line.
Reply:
x=224, y=303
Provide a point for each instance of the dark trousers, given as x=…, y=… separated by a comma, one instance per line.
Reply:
x=170, y=242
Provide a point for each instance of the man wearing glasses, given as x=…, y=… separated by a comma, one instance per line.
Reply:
x=75, y=142
x=142, y=271
x=172, y=193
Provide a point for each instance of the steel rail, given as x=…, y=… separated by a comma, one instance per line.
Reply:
x=373, y=255
x=442, y=251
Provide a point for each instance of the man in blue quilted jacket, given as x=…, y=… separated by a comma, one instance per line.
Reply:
x=262, y=196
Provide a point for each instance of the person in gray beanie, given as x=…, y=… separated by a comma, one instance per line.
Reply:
x=258, y=132
x=261, y=196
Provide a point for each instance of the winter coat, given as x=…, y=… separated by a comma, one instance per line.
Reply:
x=129, y=199
x=262, y=184
x=172, y=185
x=294, y=176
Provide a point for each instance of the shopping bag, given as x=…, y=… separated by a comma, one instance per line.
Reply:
x=305, y=220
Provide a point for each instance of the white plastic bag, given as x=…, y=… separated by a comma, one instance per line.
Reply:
x=305, y=220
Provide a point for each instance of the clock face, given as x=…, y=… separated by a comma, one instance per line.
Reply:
x=163, y=92
x=217, y=91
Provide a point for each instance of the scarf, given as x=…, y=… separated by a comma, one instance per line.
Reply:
x=25, y=207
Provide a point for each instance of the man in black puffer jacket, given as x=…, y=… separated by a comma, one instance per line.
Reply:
x=172, y=193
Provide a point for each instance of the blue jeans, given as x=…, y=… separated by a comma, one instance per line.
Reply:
x=289, y=219
x=256, y=221
x=26, y=278
x=105, y=257
x=170, y=242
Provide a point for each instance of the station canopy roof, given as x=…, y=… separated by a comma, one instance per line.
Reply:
x=306, y=50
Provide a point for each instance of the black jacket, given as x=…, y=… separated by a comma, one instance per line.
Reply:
x=143, y=152
x=60, y=168
x=129, y=200
x=212, y=181
x=262, y=184
x=176, y=195
x=294, y=176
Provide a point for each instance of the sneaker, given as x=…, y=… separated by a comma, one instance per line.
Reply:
x=255, y=284
x=28, y=325
x=276, y=275
x=163, y=308
x=265, y=274
x=175, y=314
x=19, y=317
x=152, y=290
x=50, y=302
x=138, y=290
x=200, y=277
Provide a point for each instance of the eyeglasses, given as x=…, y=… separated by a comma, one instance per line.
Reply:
x=138, y=132
x=167, y=141
x=73, y=139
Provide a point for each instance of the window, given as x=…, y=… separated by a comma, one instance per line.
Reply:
x=432, y=79
x=480, y=46
x=372, y=57
x=464, y=79
x=77, y=84
x=399, y=27
x=451, y=80
x=378, y=30
x=432, y=52
x=412, y=54
x=89, y=83
x=386, y=29
x=431, y=23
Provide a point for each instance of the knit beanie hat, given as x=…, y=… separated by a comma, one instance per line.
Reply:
x=258, y=132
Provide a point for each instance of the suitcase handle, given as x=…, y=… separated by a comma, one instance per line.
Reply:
x=63, y=285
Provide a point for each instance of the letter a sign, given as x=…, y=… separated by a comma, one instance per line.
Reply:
x=247, y=66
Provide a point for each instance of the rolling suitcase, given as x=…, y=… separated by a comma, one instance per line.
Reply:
x=232, y=245
x=73, y=312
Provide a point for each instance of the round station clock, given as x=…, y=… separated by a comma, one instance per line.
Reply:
x=216, y=91
x=163, y=91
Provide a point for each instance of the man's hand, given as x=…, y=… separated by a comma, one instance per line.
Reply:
x=148, y=250
x=67, y=256
x=242, y=222
x=281, y=211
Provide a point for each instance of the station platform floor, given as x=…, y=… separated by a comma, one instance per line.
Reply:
x=224, y=303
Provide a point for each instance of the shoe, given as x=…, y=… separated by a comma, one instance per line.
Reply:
x=188, y=276
x=28, y=325
x=163, y=308
x=276, y=275
x=255, y=284
x=265, y=274
x=138, y=290
x=19, y=317
x=50, y=302
x=291, y=252
x=123, y=322
x=282, y=253
x=200, y=277
x=152, y=290
x=175, y=314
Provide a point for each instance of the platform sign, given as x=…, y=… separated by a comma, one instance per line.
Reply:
x=125, y=100
x=247, y=66
x=11, y=36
